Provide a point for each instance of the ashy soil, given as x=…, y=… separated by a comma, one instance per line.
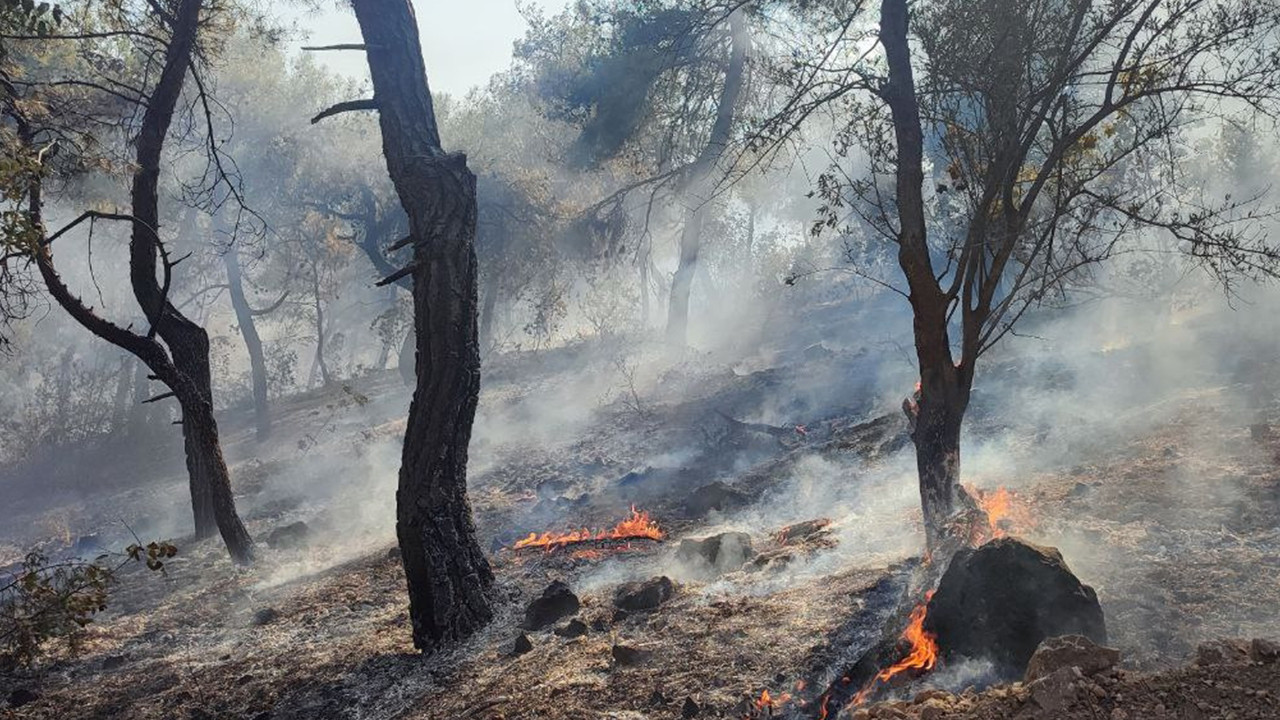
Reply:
x=1169, y=511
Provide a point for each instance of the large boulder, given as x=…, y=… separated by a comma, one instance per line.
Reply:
x=557, y=601
x=717, y=554
x=1000, y=601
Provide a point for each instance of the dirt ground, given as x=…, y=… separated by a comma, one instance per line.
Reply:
x=1173, y=523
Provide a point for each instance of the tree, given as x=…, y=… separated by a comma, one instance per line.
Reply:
x=1032, y=118
x=447, y=573
x=174, y=348
x=701, y=181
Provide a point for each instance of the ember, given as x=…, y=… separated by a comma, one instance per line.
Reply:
x=923, y=654
x=639, y=526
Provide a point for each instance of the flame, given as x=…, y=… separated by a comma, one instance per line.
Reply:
x=1003, y=512
x=923, y=654
x=637, y=526
x=767, y=703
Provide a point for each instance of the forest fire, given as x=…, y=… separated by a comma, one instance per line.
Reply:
x=923, y=654
x=1003, y=513
x=638, y=526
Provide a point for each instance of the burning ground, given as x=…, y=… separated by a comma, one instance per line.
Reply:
x=1167, y=509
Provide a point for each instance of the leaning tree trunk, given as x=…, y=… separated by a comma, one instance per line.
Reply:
x=447, y=573
x=252, y=342
x=188, y=342
x=699, y=183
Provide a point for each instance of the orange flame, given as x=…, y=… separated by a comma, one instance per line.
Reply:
x=637, y=526
x=1004, y=511
x=923, y=654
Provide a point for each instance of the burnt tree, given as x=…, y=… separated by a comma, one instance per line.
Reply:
x=1013, y=145
x=245, y=320
x=447, y=573
x=174, y=349
x=700, y=182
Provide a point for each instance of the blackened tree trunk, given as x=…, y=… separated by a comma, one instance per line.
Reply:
x=139, y=413
x=252, y=342
x=700, y=183
x=945, y=384
x=447, y=573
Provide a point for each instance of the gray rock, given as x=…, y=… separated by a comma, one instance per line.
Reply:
x=556, y=602
x=572, y=629
x=717, y=554
x=265, y=615
x=1068, y=651
x=644, y=595
x=290, y=537
x=1232, y=651
x=627, y=656
x=522, y=645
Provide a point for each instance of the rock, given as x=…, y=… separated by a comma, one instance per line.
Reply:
x=690, y=708
x=713, y=496
x=572, y=629
x=394, y=553
x=522, y=645
x=1056, y=691
x=556, y=602
x=290, y=537
x=933, y=710
x=657, y=699
x=22, y=696
x=112, y=662
x=1264, y=651
x=1080, y=490
x=717, y=554
x=1223, y=652
x=265, y=615
x=644, y=595
x=1000, y=601
x=1070, y=651
x=628, y=656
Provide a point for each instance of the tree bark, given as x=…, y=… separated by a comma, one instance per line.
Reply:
x=447, y=573
x=252, y=342
x=699, y=185
x=188, y=343
x=945, y=384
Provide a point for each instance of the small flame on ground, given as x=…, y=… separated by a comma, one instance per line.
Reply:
x=923, y=654
x=639, y=525
x=1003, y=510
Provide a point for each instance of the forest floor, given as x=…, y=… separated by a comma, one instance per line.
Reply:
x=1167, y=507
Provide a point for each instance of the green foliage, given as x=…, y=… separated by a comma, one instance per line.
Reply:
x=28, y=16
x=46, y=602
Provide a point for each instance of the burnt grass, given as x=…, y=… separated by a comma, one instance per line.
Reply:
x=1174, y=523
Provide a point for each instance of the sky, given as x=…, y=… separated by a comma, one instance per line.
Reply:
x=464, y=41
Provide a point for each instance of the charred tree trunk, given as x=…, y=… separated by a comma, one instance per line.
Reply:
x=252, y=342
x=447, y=573
x=943, y=394
x=699, y=185
x=188, y=343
